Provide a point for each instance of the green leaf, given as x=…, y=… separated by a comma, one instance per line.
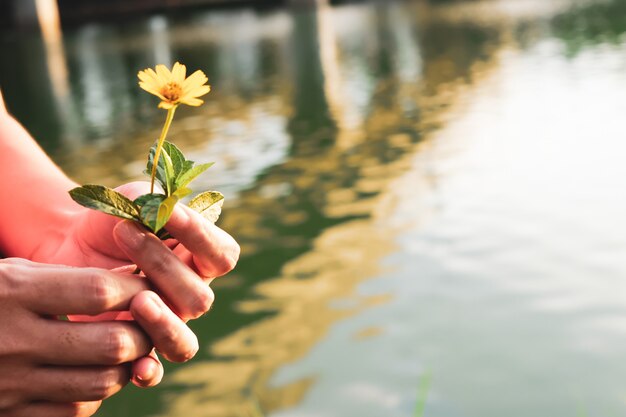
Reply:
x=169, y=171
x=165, y=169
x=165, y=211
x=106, y=200
x=177, y=157
x=209, y=204
x=182, y=193
x=156, y=209
x=186, y=177
x=142, y=200
x=149, y=211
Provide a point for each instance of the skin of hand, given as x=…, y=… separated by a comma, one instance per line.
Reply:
x=178, y=270
x=56, y=368
x=38, y=221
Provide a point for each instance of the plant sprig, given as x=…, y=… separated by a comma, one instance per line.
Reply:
x=166, y=163
x=174, y=173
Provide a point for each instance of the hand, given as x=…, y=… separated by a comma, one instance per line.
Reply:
x=201, y=252
x=51, y=367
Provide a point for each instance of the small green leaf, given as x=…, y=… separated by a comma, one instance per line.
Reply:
x=182, y=193
x=149, y=211
x=209, y=204
x=186, y=177
x=177, y=157
x=142, y=200
x=106, y=200
x=166, y=208
x=164, y=172
x=156, y=209
x=169, y=171
x=165, y=211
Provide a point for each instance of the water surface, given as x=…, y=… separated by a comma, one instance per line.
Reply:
x=421, y=192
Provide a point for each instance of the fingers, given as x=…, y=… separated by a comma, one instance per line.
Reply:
x=215, y=252
x=169, y=334
x=76, y=290
x=178, y=283
x=147, y=371
x=69, y=384
x=96, y=343
x=49, y=409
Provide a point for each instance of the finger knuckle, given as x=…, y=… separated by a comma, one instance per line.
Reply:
x=82, y=409
x=118, y=347
x=169, y=337
x=160, y=263
x=9, y=279
x=191, y=352
x=187, y=354
x=201, y=302
x=184, y=354
x=104, y=384
x=100, y=291
x=9, y=399
x=228, y=260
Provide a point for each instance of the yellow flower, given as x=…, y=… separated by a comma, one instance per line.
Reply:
x=172, y=87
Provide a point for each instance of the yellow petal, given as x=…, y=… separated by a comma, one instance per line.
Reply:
x=166, y=105
x=194, y=80
x=165, y=76
x=178, y=73
x=199, y=91
x=192, y=101
x=150, y=87
x=147, y=75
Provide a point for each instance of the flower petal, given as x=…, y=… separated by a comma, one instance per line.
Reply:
x=152, y=90
x=166, y=105
x=192, y=101
x=165, y=76
x=194, y=80
x=147, y=75
x=178, y=73
x=172, y=87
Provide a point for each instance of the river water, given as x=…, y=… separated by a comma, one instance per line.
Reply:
x=430, y=199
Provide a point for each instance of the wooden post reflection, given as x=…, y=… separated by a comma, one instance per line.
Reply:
x=49, y=20
x=311, y=117
x=50, y=24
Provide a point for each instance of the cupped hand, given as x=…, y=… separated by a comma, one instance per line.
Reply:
x=179, y=270
x=56, y=368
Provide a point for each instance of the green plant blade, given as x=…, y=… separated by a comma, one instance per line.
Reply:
x=106, y=200
x=156, y=209
x=177, y=158
x=165, y=211
x=209, y=204
x=187, y=176
x=164, y=171
x=149, y=211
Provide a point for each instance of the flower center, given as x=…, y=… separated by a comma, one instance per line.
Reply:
x=172, y=92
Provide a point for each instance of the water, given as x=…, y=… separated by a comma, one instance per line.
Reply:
x=421, y=192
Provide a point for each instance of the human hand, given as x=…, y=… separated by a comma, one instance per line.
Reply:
x=201, y=252
x=51, y=367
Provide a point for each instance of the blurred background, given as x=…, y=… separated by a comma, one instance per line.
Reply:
x=429, y=194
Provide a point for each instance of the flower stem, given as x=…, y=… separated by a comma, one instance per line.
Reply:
x=157, y=153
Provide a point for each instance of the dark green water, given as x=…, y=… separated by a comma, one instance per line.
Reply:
x=419, y=191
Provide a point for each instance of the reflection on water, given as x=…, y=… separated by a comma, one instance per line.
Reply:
x=417, y=190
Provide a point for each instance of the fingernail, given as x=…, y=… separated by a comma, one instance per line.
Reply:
x=130, y=235
x=150, y=311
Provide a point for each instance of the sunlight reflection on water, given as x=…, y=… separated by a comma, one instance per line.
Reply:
x=417, y=190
